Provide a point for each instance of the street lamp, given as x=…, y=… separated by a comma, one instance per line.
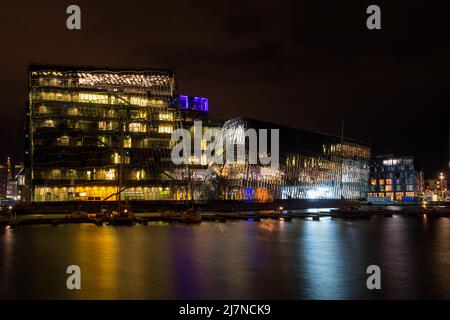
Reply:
x=441, y=179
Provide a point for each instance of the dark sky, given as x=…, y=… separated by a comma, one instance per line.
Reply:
x=306, y=64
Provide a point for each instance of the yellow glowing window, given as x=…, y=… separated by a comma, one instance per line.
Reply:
x=116, y=158
x=166, y=116
x=381, y=195
x=138, y=114
x=127, y=142
x=389, y=181
x=143, y=102
x=381, y=182
x=165, y=129
x=55, y=174
x=103, y=125
x=63, y=140
x=49, y=124
x=42, y=109
x=93, y=98
x=388, y=188
x=373, y=182
x=111, y=174
x=137, y=127
x=73, y=111
x=399, y=195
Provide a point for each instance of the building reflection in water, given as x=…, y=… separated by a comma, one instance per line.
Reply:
x=323, y=265
x=324, y=259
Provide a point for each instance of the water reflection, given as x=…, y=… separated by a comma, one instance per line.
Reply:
x=274, y=259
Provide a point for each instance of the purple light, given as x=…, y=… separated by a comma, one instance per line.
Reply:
x=193, y=103
x=204, y=104
x=196, y=104
x=184, y=102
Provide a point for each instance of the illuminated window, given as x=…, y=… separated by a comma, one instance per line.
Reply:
x=399, y=195
x=116, y=158
x=73, y=111
x=388, y=188
x=137, y=127
x=373, y=182
x=55, y=174
x=71, y=174
x=138, y=114
x=111, y=174
x=42, y=109
x=381, y=182
x=107, y=125
x=102, y=125
x=93, y=98
x=165, y=129
x=103, y=141
x=139, y=101
x=389, y=181
x=138, y=174
x=48, y=123
x=127, y=142
x=63, y=140
x=166, y=116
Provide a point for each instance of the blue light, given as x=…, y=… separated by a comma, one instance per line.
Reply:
x=196, y=104
x=248, y=194
x=193, y=103
x=204, y=104
x=184, y=102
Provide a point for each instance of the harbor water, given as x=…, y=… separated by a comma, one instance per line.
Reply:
x=270, y=259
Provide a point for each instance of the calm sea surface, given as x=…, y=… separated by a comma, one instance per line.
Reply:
x=271, y=259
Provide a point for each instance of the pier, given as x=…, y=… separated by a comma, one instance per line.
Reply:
x=219, y=216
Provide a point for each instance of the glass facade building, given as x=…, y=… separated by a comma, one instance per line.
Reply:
x=394, y=178
x=100, y=133
x=311, y=166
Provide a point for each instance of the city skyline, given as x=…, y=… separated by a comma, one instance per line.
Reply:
x=381, y=84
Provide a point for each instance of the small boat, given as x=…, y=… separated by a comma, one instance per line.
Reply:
x=121, y=217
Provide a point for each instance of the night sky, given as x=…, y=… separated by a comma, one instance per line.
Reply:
x=306, y=64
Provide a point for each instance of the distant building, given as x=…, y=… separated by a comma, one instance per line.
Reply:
x=436, y=189
x=394, y=177
x=10, y=180
x=3, y=181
